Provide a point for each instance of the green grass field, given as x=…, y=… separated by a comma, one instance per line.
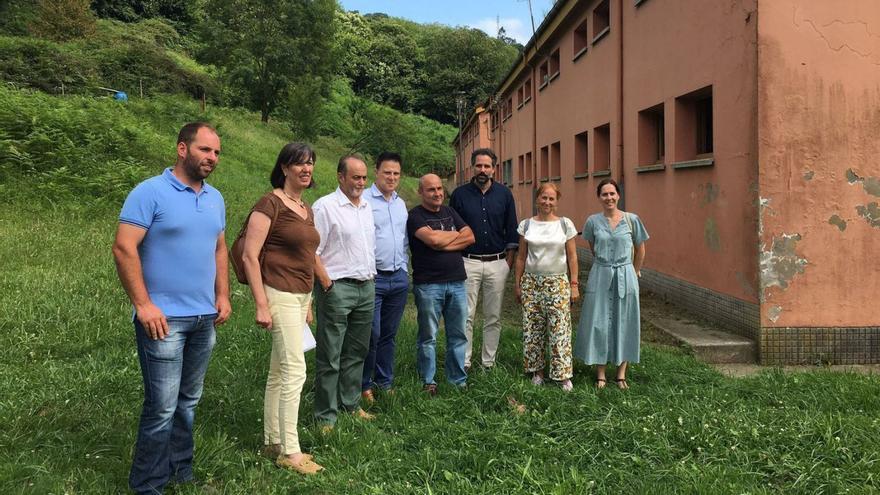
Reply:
x=70, y=390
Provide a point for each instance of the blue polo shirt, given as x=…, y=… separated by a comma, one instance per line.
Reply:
x=389, y=217
x=177, y=252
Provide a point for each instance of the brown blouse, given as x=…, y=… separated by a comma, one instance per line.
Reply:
x=289, y=256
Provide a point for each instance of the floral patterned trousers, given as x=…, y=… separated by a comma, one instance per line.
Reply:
x=547, y=320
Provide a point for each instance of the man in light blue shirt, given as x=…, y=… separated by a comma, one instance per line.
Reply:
x=171, y=258
x=392, y=280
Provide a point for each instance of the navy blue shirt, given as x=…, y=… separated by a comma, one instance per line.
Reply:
x=492, y=217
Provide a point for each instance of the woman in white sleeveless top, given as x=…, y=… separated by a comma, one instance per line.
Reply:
x=546, y=283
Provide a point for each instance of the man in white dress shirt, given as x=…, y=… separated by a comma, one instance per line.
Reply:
x=346, y=295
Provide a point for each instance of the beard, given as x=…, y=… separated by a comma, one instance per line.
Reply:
x=192, y=168
x=481, y=178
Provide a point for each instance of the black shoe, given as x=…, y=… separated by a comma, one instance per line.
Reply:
x=430, y=389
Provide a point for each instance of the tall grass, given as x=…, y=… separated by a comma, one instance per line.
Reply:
x=70, y=387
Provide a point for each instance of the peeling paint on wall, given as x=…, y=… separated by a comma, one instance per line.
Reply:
x=870, y=184
x=871, y=213
x=809, y=175
x=773, y=313
x=837, y=222
x=710, y=234
x=709, y=192
x=781, y=263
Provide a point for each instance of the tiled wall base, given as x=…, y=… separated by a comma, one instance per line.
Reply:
x=803, y=345
x=816, y=345
x=729, y=313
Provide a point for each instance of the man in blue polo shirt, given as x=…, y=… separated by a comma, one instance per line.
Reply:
x=392, y=280
x=171, y=258
x=488, y=208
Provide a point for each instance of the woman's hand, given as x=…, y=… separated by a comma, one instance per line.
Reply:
x=309, y=317
x=575, y=292
x=518, y=290
x=264, y=317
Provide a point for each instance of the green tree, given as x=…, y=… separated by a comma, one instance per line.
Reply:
x=265, y=46
x=63, y=20
x=462, y=61
x=182, y=14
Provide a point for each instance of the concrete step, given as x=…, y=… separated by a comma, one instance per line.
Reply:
x=708, y=344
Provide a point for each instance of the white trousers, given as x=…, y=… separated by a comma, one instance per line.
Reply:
x=287, y=369
x=490, y=278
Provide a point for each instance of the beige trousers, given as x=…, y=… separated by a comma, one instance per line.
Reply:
x=287, y=369
x=490, y=277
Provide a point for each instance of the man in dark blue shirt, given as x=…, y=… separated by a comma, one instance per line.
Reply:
x=488, y=208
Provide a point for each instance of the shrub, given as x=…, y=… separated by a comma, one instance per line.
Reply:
x=63, y=20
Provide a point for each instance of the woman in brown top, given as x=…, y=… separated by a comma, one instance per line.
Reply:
x=280, y=261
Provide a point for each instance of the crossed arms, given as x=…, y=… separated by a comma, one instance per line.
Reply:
x=445, y=240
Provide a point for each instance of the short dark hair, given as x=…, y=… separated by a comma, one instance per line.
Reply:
x=291, y=153
x=388, y=156
x=483, y=151
x=605, y=182
x=342, y=166
x=188, y=132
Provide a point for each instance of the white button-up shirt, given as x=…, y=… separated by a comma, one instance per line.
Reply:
x=348, y=238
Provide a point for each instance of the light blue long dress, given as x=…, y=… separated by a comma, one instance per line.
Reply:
x=609, y=328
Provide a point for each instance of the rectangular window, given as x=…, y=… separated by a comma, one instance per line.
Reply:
x=693, y=125
x=554, y=64
x=529, y=168
x=555, y=161
x=527, y=91
x=509, y=108
x=507, y=173
x=652, y=136
x=581, y=163
x=602, y=147
x=601, y=20
x=521, y=167
x=545, y=163
x=544, y=74
x=580, y=40
x=519, y=97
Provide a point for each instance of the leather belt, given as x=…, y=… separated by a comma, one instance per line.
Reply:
x=352, y=281
x=485, y=257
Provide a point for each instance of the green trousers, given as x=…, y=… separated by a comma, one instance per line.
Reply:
x=345, y=319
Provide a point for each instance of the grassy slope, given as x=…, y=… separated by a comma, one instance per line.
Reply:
x=70, y=387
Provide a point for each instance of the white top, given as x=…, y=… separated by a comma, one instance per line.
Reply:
x=546, y=243
x=348, y=238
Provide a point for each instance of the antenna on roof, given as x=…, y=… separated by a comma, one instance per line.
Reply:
x=532, y=16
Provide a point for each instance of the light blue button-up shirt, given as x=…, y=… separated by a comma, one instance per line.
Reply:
x=390, y=220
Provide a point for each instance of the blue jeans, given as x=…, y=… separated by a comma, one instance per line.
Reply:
x=173, y=371
x=448, y=299
x=391, y=291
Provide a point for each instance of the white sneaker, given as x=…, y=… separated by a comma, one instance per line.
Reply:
x=537, y=380
x=567, y=386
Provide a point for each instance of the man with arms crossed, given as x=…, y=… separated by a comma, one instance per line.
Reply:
x=392, y=280
x=346, y=295
x=437, y=234
x=171, y=257
x=489, y=209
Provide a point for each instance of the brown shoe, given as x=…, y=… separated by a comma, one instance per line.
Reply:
x=364, y=415
x=367, y=396
x=430, y=389
x=271, y=451
x=304, y=466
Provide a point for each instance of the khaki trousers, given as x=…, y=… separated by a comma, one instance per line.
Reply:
x=287, y=369
x=490, y=277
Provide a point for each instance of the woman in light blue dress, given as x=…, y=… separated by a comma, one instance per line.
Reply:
x=609, y=327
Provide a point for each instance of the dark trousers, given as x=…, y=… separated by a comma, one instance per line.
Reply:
x=345, y=315
x=391, y=293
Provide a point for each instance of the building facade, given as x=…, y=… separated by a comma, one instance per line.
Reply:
x=744, y=133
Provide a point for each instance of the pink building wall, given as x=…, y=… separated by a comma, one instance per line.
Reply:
x=819, y=135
